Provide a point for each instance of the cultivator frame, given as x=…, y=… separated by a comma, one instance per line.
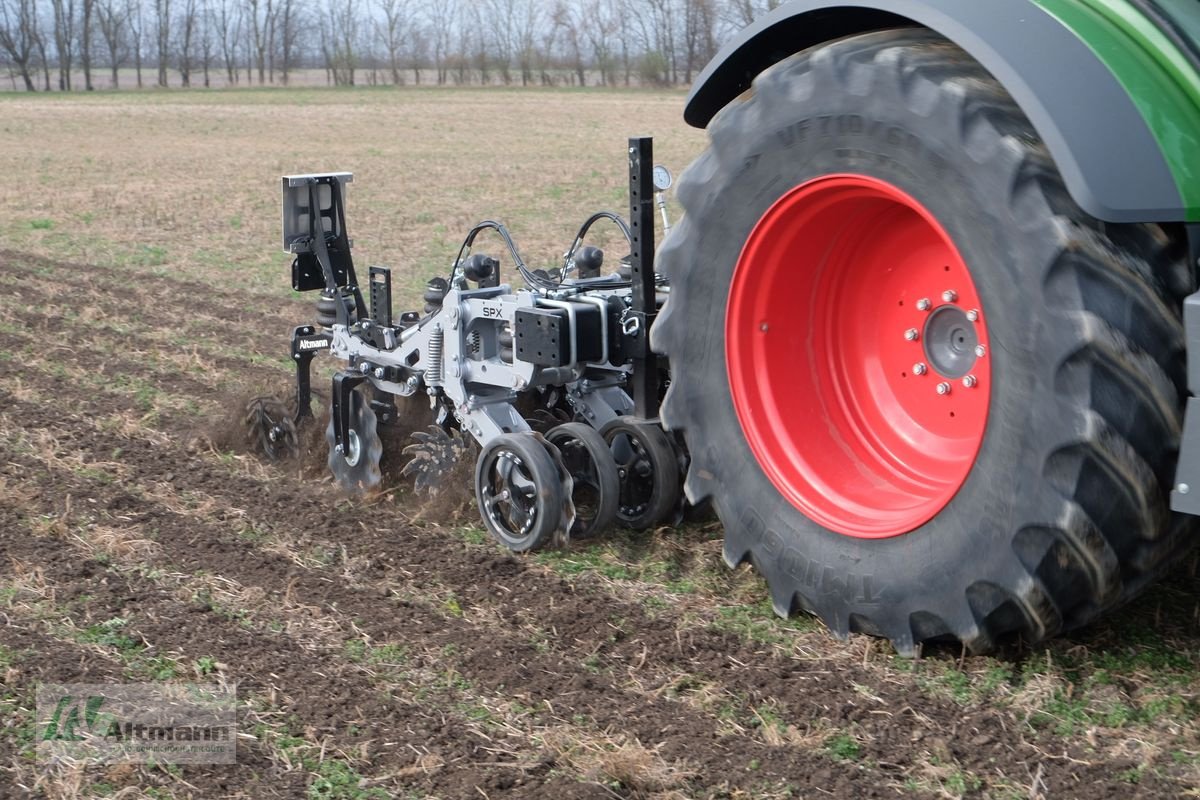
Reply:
x=577, y=346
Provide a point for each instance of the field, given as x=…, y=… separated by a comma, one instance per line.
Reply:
x=388, y=649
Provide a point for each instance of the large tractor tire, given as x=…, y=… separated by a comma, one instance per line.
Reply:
x=929, y=397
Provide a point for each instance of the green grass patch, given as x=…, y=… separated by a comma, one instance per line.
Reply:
x=965, y=688
x=597, y=559
x=388, y=655
x=157, y=668
x=146, y=255
x=758, y=622
x=843, y=747
x=337, y=780
x=452, y=607
x=476, y=536
x=7, y=657
x=96, y=474
x=354, y=651
x=110, y=633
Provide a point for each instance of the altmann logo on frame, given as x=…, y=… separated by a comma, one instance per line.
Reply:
x=165, y=723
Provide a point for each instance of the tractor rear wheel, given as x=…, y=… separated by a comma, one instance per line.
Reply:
x=929, y=397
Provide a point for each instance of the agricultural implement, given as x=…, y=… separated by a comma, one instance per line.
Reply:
x=554, y=382
x=931, y=317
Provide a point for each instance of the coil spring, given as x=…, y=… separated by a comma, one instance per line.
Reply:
x=475, y=343
x=434, y=373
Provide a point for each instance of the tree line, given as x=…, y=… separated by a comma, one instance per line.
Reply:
x=70, y=45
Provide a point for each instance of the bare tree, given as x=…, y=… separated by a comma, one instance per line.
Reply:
x=699, y=35
x=567, y=26
x=603, y=23
x=464, y=49
x=653, y=31
x=289, y=36
x=260, y=16
x=87, y=15
x=740, y=13
x=605, y=42
x=112, y=19
x=248, y=49
x=137, y=30
x=460, y=55
x=206, y=41
x=418, y=49
x=162, y=19
x=471, y=40
x=339, y=41
x=662, y=15
x=393, y=29
x=42, y=58
x=544, y=55
x=272, y=18
x=504, y=22
x=64, y=40
x=228, y=14
x=441, y=26
x=529, y=19
x=189, y=20
x=18, y=36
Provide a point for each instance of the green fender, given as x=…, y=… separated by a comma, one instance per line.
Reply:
x=1112, y=86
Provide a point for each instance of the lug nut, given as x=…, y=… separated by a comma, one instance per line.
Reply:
x=920, y=369
x=923, y=304
x=912, y=334
x=943, y=388
x=970, y=382
x=949, y=295
x=980, y=351
x=973, y=315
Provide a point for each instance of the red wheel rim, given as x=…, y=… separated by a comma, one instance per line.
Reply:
x=858, y=357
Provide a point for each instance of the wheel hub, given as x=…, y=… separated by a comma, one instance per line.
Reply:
x=857, y=353
x=353, y=448
x=950, y=342
x=508, y=495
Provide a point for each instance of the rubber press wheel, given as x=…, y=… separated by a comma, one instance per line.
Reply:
x=929, y=396
x=596, y=483
x=518, y=489
x=648, y=468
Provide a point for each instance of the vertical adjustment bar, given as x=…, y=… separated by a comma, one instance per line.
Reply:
x=645, y=297
x=380, y=280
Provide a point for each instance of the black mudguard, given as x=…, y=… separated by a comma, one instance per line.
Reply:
x=1108, y=157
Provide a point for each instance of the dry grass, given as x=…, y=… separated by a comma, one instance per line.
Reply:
x=189, y=183
x=620, y=762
